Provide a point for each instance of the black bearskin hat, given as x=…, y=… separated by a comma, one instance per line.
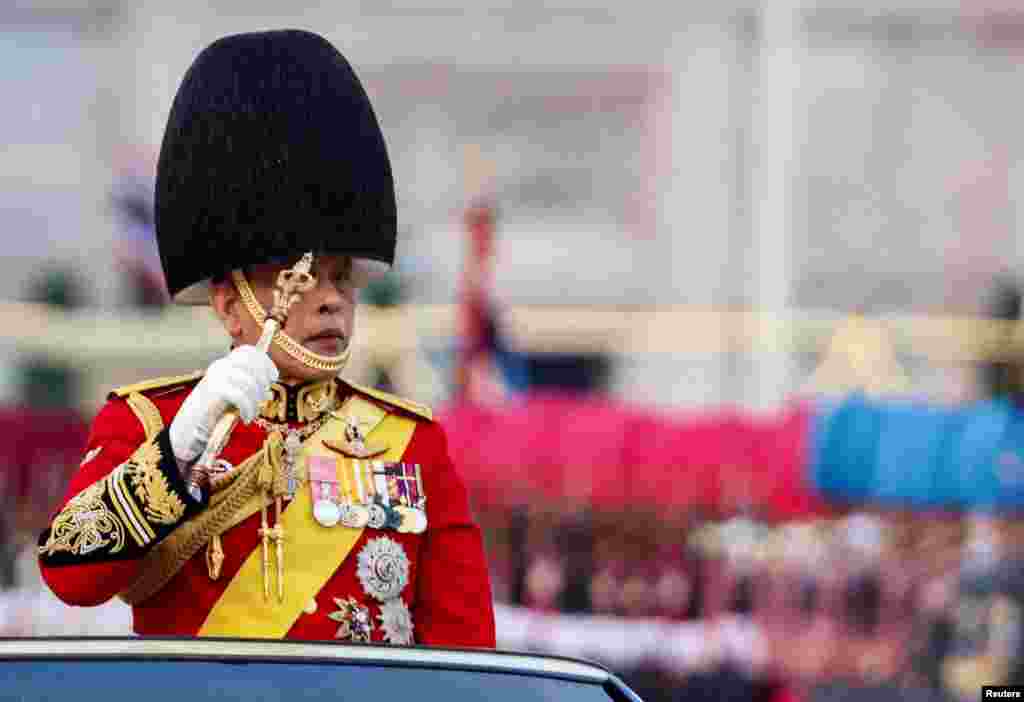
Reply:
x=271, y=149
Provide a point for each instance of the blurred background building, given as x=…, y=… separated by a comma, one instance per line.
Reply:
x=694, y=212
x=781, y=156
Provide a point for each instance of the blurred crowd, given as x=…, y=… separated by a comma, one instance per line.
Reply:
x=862, y=605
x=865, y=605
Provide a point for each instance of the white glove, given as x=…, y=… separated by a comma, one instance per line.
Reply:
x=241, y=379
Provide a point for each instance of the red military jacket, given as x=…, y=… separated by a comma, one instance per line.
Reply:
x=128, y=497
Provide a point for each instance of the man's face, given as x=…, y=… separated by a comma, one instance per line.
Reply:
x=323, y=319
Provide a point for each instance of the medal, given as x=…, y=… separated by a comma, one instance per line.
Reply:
x=421, y=496
x=414, y=521
x=323, y=486
x=377, y=516
x=408, y=519
x=394, y=487
x=360, y=513
x=380, y=512
x=326, y=513
x=354, y=515
x=414, y=484
x=358, y=517
x=394, y=518
x=420, y=523
x=354, y=620
x=394, y=484
x=383, y=568
x=406, y=484
x=396, y=622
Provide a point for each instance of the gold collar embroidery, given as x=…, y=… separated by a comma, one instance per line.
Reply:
x=300, y=403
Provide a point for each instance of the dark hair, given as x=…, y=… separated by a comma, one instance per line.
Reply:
x=225, y=277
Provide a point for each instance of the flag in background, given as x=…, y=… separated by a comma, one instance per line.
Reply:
x=486, y=370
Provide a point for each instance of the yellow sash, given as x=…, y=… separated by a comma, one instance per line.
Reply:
x=312, y=552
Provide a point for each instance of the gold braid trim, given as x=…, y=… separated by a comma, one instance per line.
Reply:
x=131, y=514
x=316, y=399
x=286, y=343
x=157, y=383
x=86, y=524
x=165, y=559
x=141, y=496
x=152, y=491
x=147, y=413
x=415, y=408
x=312, y=401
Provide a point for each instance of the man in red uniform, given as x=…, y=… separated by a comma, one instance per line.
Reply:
x=333, y=511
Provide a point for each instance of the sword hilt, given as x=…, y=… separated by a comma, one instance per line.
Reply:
x=291, y=284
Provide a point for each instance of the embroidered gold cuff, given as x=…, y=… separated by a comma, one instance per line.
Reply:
x=149, y=484
x=119, y=516
x=86, y=524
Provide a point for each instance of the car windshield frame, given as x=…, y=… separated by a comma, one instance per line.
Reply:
x=214, y=648
x=120, y=648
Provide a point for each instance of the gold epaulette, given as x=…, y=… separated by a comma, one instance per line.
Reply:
x=168, y=381
x=387, y=398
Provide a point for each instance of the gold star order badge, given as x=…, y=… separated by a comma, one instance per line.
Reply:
x=354, y=621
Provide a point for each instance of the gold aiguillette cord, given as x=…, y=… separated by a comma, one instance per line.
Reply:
x=280, y=489
x=272, y=481
x=269, y=467
x=290, y=286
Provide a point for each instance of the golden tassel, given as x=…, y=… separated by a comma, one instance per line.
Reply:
x=279, y=538
x=214, y=557
x=279, y=489
x=273, y=460
x=269, y=466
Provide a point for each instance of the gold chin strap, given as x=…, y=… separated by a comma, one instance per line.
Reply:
x=284, y=342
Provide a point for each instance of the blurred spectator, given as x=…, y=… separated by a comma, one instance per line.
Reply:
x=1004, y=377
x=988, y=639
x=8, y=553
x=577, y=544
x=545, y=580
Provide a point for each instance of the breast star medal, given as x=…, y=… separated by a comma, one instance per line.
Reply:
x=383, y=568
x=354, y=622
x=396, y=622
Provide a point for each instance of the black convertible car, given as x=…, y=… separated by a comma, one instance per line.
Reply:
x=194, y=670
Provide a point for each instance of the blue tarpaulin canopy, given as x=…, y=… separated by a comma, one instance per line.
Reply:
x=915, y=455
